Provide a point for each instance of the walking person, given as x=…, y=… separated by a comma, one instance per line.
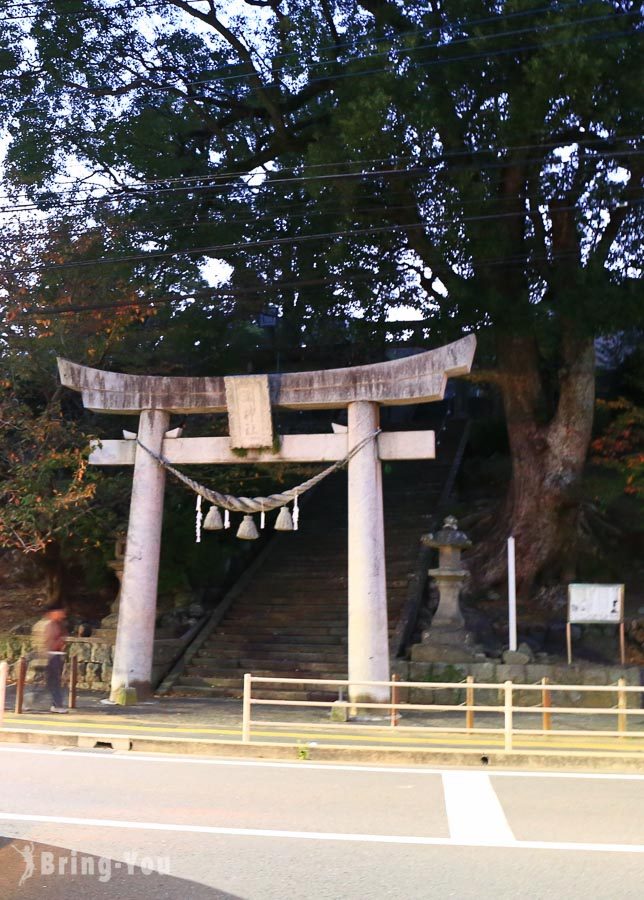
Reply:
x=48, y=643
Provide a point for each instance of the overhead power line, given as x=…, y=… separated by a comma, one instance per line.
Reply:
x=215, y=178
x=286, y=212
x=272, y=242
x=335, y=76
x=338, y=280
x=143, y=191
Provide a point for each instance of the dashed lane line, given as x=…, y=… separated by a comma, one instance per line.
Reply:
x=474, y=812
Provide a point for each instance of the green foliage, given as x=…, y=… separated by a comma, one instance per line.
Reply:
x=45, y=486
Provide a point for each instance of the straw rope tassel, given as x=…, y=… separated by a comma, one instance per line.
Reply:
x=248, y=530
x=296, y=514
x=213, y=520
x=226, y=518
x=284, y=520
x=199, y=518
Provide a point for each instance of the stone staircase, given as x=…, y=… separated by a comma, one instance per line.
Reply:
x=290, y=619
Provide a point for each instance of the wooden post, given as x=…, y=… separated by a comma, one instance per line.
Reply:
x=546, y=703
x=4, y=668
x=21, y=678
x=394, y=701
x=73, y=678
x=569, y=642
x=622, y=643
x=507, y=717
x=246, y=706
x=469, y=703
x=621, y=704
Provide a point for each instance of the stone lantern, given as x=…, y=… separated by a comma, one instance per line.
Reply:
x=110, y=621
x=447, y=630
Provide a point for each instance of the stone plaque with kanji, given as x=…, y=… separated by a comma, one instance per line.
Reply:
x=249, y=411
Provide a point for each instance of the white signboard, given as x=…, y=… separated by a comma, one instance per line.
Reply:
x=589, y=603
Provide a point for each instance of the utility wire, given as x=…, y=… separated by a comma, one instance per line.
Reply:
x=134, y=192
x=288, y=213
x=335, y=76
x=196, y=182
x=336, y=46
x=361, y=161
x=271, y=242
x=526, y=259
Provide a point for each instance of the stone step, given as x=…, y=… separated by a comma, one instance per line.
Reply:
x=291, y=619
x=302, y=632
x=281, y=586
x=268, y=657
x=274, y=589
x=291, y=602
x=297, y=628
x=283, y=639
x=267, y=665
x=277, y=617
x=268, y=653
x=213, y=677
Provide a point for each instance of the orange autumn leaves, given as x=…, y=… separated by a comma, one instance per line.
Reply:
x=620, y=446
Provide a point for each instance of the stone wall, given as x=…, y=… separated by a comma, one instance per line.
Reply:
x=496, y=673
x=12, y=647
x=95, y=658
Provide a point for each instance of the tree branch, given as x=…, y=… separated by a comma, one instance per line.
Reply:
x=617, y=216
x=243, y=52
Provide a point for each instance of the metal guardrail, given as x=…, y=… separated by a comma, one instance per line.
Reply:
x=507, y=709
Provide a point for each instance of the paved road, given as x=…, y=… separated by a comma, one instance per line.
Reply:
x=176, y=827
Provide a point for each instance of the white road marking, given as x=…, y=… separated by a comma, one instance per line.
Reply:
x=323, y=835
x=72, y=753
x=474, y=812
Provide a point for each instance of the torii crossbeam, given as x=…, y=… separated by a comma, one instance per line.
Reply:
x=247, y=399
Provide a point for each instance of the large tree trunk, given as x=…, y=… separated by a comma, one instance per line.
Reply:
x=548, y=455
x=54, y=572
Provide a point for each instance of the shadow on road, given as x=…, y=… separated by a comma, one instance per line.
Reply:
x=30, y=870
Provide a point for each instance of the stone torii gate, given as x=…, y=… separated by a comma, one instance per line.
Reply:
x=248, y=399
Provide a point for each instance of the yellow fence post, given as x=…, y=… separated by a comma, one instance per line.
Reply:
x=469, y=703
x=621, y=704
x=394, y=700
x=4, y=669
x=20, y=684
x=246, y=708
x=546, y=703
x=507, y=716
x=73, y=681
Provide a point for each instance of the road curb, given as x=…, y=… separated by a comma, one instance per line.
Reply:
x=310, y=751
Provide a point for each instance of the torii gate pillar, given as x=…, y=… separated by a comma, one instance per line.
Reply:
x=368, y=633
x=137, y=610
